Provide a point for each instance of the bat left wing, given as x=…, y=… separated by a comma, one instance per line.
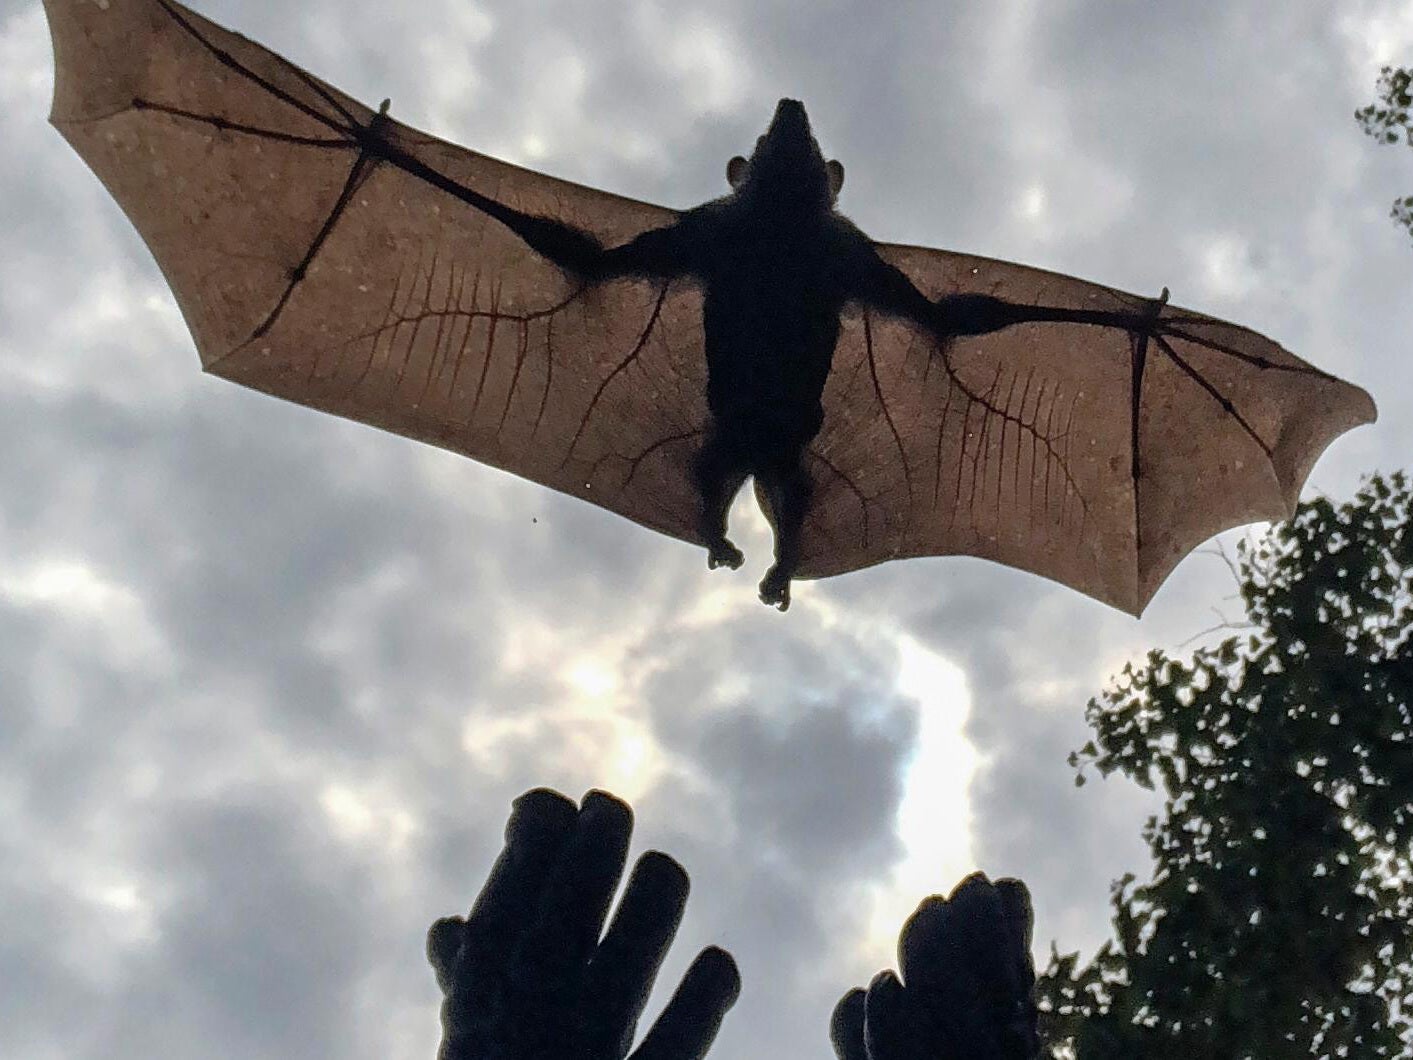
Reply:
x=323, y=253
x=1078, y=452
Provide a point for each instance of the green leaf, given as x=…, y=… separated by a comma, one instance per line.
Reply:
x=1289, y=810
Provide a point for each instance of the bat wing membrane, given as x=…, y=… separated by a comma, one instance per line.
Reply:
x=308, y=269
x=1069, y=450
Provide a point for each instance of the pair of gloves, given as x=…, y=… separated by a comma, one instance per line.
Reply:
x=530, y=973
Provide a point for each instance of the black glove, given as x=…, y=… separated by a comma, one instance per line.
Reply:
x=967, y=986
x=526, y=976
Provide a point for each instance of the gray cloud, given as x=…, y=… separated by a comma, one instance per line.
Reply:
x=780, y=806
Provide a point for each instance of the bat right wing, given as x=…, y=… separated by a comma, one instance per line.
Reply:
x=311, y=269
x=1068, y=450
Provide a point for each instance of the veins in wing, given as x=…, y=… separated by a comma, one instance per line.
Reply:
x=229, y=61
x=1020, y=437
x=1009, y=409
x=1138, y=362
x=983, y=436
x=348, y=132
x=636, y=460
x=618, y=369
x=865, y=503
x=226, y=125
x=1168, y=327
x=1227, y=406
x=888, y=416
x=445, y=341
x=444, y=300
x=1153, y=326
x=360, y=169
x=1153, y=330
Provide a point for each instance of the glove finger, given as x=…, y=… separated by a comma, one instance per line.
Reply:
x=846, y=1027
x=445, y=940
x=1021, y=1036
x=689, y=1023
x=959, y=964
x=469, y=954
x=979, y=929
x=541, y=823
x=548, y=964
x=1019, y=916
x=625, y=965
x=890, y=1031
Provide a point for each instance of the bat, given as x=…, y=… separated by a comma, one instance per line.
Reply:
x=886, y=401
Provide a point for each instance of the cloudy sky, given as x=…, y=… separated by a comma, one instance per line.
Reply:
x=269, y=680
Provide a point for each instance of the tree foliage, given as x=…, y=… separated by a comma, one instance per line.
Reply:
x=1389, y=120
x=1277, y=920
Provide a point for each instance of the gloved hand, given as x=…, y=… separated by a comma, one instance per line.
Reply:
x=966, y=988
x=526, y=975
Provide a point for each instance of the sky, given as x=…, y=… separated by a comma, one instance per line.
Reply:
x=269, y=680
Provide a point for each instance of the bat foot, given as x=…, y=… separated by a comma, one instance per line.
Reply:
x=724, y=554
x=775, y=589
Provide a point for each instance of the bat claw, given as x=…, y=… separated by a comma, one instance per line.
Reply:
x=775, y=590
x=724, y=554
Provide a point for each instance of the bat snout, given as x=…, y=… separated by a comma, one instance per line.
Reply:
x=789, y=120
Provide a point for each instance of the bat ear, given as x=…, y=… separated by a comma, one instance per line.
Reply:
x=736, y=172
x=836, y=177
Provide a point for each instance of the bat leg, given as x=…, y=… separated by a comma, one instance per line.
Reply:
x=787, y=491
x=718, y=473
x=775, y=589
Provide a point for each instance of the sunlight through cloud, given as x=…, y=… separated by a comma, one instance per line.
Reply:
x=363, y=816
x=934, y=818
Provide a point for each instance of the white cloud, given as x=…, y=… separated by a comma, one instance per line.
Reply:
x=113, y=616
x=367, y=815
x=1227, y=271
x=698, y=50
x=1377, y=33
x=26, y=66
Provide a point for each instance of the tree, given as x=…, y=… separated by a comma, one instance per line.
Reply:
x=1388, y=121
x=1276, y=923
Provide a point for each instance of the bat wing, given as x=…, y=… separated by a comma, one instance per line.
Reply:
x=1069, y=450
x=311, y=270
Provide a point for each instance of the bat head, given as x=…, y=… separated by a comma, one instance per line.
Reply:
x=787, y=172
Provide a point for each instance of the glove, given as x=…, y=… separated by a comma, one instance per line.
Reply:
x=526, y=976
x=966, y=988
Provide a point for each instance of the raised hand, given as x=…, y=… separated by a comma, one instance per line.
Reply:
x=527, y=976
x=966, y=987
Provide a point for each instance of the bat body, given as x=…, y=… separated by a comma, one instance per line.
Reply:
x=887, y=401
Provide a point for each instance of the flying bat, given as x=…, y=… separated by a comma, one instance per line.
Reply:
x=886, y=401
